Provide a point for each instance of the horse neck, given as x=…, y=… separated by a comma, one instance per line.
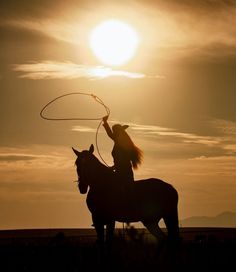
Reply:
x=99, y=171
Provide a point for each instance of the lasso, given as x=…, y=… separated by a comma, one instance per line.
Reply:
x=96, y=98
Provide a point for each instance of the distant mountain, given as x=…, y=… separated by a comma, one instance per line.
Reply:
x=225, y=219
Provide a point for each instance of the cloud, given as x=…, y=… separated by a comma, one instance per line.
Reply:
x=214, y=166
x=169, y=132
x=172, y=144
x=69, y=70
x=83, y=129
x=24, y=159
x=175, y=34
x=37, y=173
x=231, y=148
x=148, y=128
x=226, y=127
x=16, y=157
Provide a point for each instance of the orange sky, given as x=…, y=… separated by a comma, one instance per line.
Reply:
x=177, y=94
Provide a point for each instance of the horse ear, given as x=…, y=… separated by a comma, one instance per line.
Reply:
x=91, y=149
x=76, y=151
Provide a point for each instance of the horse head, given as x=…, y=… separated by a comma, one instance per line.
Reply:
x=91, y=172
x=81, y=163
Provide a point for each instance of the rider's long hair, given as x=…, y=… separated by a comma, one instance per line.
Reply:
x=125, y=142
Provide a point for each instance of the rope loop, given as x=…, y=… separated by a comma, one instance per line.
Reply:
x=96, y=98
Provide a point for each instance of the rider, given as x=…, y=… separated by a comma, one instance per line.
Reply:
x=126, y=155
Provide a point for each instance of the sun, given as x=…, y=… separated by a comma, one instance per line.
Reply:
x=114, y=42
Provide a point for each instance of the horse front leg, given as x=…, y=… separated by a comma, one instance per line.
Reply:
x=110, y=227
x=99, y=227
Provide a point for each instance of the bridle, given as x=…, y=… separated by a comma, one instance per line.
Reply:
x=82, y=174
x=89, y=169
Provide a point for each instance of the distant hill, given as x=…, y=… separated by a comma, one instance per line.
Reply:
x=225, y=219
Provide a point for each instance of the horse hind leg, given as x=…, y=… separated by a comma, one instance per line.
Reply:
x=172, y=225
x=154, y=229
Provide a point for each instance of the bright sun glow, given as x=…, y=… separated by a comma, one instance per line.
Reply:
x=114, y=42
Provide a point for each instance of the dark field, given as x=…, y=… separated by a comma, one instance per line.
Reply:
x=200, y=249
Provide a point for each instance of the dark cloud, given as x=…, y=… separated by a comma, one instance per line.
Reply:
x=28, y=9
x=12, y=158
x=15, y=157
x=13, y=33
x=41, y=9
x=200, y=6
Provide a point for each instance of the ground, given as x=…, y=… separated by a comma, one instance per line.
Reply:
x=200, y=249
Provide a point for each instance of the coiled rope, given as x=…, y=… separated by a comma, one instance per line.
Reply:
x=96, y=98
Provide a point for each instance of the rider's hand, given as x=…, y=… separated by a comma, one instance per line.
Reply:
x=105, y=118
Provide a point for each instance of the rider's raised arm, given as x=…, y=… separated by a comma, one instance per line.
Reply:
x=108, y=130
x=107, y=127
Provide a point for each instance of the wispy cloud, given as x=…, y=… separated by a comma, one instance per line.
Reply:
x=227, y=129
x=214, y=166
x=173, y=143
x=231, y=148
x=11, y=157
x=69, y=70
x=25, y=159
x=170, y=132
x=224, y=126
x=83, y=129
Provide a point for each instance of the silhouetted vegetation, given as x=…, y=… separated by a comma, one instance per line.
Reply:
x=132, y=250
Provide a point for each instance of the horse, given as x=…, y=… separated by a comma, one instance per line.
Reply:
x=147, y=200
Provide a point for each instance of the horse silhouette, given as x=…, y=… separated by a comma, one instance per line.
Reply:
x=147, y=200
